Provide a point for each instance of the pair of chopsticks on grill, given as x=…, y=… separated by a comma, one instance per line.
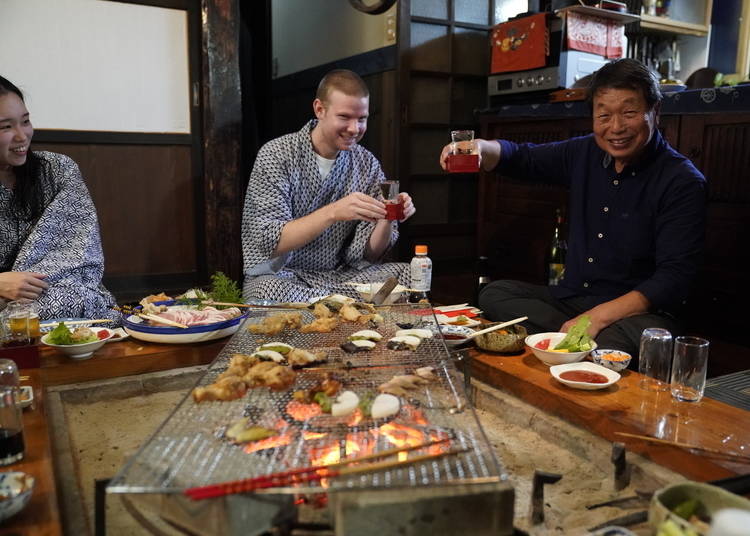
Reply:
x=715, y=453
x=318, y=472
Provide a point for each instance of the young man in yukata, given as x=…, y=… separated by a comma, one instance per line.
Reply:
x=314, y=219
x=637, y=218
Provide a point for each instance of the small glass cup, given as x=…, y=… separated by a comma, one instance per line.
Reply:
x=655, y=359
x=464, y=155
x=394, y=208
x=23, y=322
x=689, y=368
x=11, y=423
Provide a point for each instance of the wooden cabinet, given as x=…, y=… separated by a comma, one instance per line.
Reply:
x=516, y=219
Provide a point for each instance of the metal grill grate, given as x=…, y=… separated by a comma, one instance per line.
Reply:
x=188, y=449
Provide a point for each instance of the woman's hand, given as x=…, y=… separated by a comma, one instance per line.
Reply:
x=22, y=285
x=409, y=209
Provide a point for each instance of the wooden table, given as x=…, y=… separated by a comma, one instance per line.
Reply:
x=625, y=407
x=41, y=516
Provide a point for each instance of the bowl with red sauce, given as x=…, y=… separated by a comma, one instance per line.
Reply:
x=588, y=376
x=543, y=344
x=454, y=335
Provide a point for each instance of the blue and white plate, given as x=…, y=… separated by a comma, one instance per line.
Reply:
x=16, y=488
x=53, y=322
x=138, y=328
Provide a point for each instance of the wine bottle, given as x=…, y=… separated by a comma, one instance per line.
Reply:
x=483, y=277
x=557, y=252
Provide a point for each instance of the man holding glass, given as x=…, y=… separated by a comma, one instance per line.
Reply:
x=636, y=212
x=315, y=217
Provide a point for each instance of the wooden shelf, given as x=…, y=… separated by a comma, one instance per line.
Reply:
x=667, y=25
x=625, y=18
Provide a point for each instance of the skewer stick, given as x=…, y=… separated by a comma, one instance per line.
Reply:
x=309, y=474
x=76, y=322
x=161, y=320
x=715, y=452
x=254, y=306
x=499, y=326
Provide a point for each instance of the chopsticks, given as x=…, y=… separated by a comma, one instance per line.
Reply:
x=318, y=472
x=706, y=450
x=291, y=305
x=499, y=326
x=76, y=322
x=161, y=320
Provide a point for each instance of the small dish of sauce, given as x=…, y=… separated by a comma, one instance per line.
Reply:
x=585, y=376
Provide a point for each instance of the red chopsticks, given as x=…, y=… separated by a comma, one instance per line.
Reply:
x=318, y=472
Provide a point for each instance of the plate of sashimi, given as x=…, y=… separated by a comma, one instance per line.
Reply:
x=173, y=322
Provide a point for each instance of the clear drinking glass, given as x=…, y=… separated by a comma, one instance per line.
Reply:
x=394, y=209
x=464, y=155
x=689, y=368
x=655, y=359
x=11, y=424
x=23, y=321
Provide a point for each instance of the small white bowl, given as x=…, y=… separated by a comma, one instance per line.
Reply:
x=599, y=356
x=26, y=396
x=78, y=351
x=17, y=488
x=548, y=357
x=611, y=375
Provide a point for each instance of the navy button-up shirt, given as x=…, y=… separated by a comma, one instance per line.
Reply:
x=641, y=229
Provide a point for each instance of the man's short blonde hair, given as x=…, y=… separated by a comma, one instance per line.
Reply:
x=345, y=81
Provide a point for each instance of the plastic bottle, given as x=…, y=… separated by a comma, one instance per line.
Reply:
x=421, y=275
x=558, y=250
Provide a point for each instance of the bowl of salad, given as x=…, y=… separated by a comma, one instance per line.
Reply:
x=556, y=348
x=79, y=343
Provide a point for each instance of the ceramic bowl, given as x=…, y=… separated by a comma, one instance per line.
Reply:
x=15, y=491
x=612, y=359
x=137, y=328
x=505, y=340
x=367, y=291
x=611, y=375
x=454, y=331
x=548, y=357
x=711, y=499
x=77, y=351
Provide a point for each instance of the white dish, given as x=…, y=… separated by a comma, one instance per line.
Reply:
x=77, y=351
x=52, y=323
x=26, y=396
x=448, y=321
x=17, y=488
x=548, y=357
x=611, y=375
x=367, y=290
x=118, y=334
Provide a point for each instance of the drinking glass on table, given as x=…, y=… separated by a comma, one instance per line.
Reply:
x=464, y=156
x=689, y=368
x=394, y=208
x=23, y=322
x=11, y=423
x=655, y=359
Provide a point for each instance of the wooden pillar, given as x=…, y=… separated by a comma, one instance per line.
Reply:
x=222, y=122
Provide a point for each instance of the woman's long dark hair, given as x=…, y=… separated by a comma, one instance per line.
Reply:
x=28, y=197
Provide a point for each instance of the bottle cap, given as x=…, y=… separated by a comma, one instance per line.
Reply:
x=420, y=250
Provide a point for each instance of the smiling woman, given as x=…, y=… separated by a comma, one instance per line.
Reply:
x=49, y=235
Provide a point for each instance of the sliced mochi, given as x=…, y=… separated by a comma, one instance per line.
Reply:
x=358, y=346
x=365, y=335
x=345, y=403
x=384, y=406
x=415, y=332
x=269, y=355
x=406, y=342
x=280, y=347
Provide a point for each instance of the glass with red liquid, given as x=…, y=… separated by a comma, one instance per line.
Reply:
x=394, y=208
x=464, y=156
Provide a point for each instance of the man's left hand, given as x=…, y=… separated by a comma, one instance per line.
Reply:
x=409, y=209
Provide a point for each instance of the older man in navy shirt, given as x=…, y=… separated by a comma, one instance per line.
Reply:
x=637, y=217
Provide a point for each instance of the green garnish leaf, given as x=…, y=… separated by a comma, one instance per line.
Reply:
x=60, y=335
x=577, y=339
x=223, y=289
